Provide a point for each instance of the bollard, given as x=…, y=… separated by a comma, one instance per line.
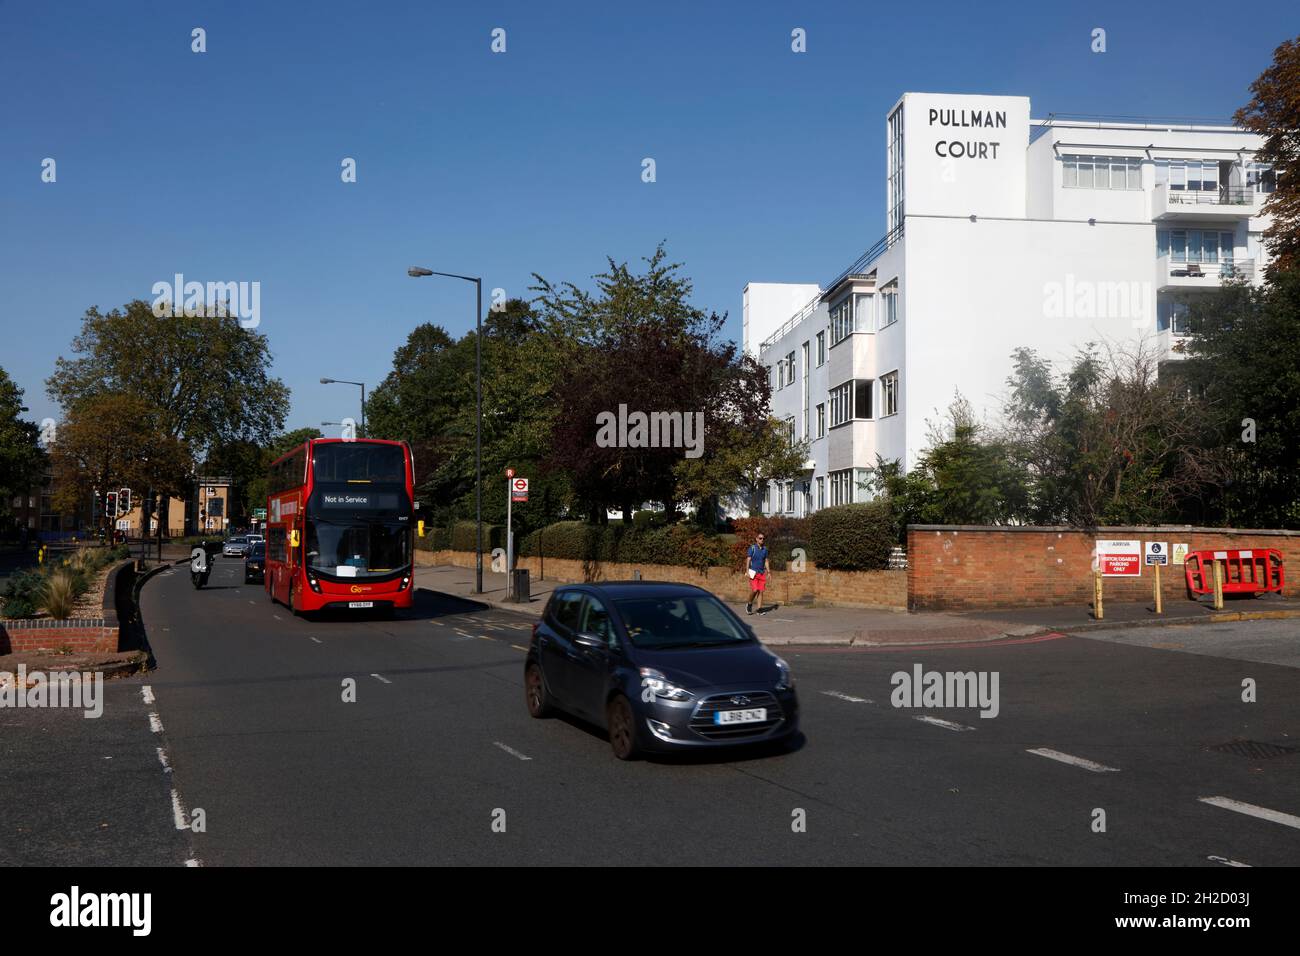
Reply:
x=1159, y=605
x=1218, y=585
x=1097, y=610
x=519, y=590
x=636, y=575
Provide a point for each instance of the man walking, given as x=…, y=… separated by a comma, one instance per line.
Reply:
x=757, y=568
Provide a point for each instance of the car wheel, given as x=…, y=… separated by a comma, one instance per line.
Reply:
x=538, y=700
x=622, y=728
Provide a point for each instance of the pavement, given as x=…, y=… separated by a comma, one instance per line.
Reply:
x=358, y=740
x=795, y=624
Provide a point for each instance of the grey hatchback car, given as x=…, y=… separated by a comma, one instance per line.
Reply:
x=661, y=667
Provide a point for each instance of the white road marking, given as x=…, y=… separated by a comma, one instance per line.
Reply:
x=146, y=693
x=1073, y=761
x=518, y=648
x=252, y=602
x=317, y=640
x=945, y=724
x=842, y=696
x=1263, y=813
x=381, y=679
x=178, y=812
x=155, y=723
x=512, y=751
x=276, y=616
x=785, y=620
x=193, y=863
x=162, y=759
x=1226, y=862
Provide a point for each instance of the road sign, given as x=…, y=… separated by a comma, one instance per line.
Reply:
x=1180, y=553
x=1119, y=559
x=510, y=472
x=518, y=489
x=1157, y=552
x=259, y=514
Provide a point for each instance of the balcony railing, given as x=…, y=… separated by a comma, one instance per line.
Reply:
x=859, y=266
x=1219, y=196
x=1190, y=273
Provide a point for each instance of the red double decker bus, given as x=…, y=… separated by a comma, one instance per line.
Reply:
x=340, y=525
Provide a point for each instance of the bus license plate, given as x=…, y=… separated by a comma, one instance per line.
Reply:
x=361, y=604
x=752, y=716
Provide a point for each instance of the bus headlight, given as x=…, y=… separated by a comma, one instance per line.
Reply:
x=405, y=581
x=315, y=585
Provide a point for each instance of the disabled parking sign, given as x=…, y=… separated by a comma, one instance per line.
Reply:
x=1157, y=553
x=1119, y=559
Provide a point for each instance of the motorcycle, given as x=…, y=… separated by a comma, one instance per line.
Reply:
x=200, y=564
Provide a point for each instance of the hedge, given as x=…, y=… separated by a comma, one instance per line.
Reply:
x=854, y=537
x=782, y=536
x=674, y=544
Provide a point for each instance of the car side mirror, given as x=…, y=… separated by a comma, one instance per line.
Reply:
x=591, y=641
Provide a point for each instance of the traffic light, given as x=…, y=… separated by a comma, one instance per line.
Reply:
x=110, y=504
x=124, y=501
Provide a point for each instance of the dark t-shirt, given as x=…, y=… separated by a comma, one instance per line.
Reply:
x=757, y=558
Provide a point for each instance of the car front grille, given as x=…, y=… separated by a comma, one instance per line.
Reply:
x=702, y=720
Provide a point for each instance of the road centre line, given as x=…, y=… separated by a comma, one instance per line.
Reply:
x=945, y=724
x=146, y=693
x=381, y=678
x=155, y=723
x=518, y=648
x=1072, y=760
x=1226, y=862
x=1250, y=810
x=511, y=750
x=849, y=698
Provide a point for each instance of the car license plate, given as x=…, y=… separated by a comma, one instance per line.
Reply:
x=361, y=604
x=751, y=716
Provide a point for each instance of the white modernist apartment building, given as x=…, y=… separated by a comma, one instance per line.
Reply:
x=1003, y=232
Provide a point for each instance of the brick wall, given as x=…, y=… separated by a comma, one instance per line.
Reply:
x=871, y=589
x=956, y=567
x=91, y=636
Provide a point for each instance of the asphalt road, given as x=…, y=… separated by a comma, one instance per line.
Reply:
x=251, y=722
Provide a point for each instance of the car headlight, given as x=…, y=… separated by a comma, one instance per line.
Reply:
x=784, y=680
x=654, y=681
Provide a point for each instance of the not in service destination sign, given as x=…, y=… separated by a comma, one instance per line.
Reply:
x=1119, y=558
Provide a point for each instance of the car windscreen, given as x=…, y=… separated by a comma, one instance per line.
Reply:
x=257, y=551
x=685, y=620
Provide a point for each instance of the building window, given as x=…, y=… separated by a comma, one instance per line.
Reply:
x=842, y=321
x=1195, y=245
x=851, y=400
x=841, y=404
x=771, y=378
x=889, y=306
x=821, y=349
x=1102, y=172
x=895, y=171
x=1172, y=315
x=864, y=312
x=842, y=487
x=821, y=420
x=789, y=369
x=788, y=427
x=821, y=493
x=767, y=498
x=780, y=374
x=889, y=394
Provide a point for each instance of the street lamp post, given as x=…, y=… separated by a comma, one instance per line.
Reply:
x=342, y=381
x=418, y=272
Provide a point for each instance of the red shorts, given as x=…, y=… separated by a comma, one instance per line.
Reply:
x=758, y=582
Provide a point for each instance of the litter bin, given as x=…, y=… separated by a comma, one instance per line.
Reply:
x=519, y=592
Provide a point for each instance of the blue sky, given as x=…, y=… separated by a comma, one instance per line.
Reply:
x=225, y=165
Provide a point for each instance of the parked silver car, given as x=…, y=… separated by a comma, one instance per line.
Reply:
x=235, y=547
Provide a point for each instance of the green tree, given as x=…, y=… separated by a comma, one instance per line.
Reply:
x=1244, y=365
x=741, y=461
x=206, y=380
x=1274, y=113
x=20, y=453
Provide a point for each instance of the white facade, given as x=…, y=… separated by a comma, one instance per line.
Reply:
x=1004, y=232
